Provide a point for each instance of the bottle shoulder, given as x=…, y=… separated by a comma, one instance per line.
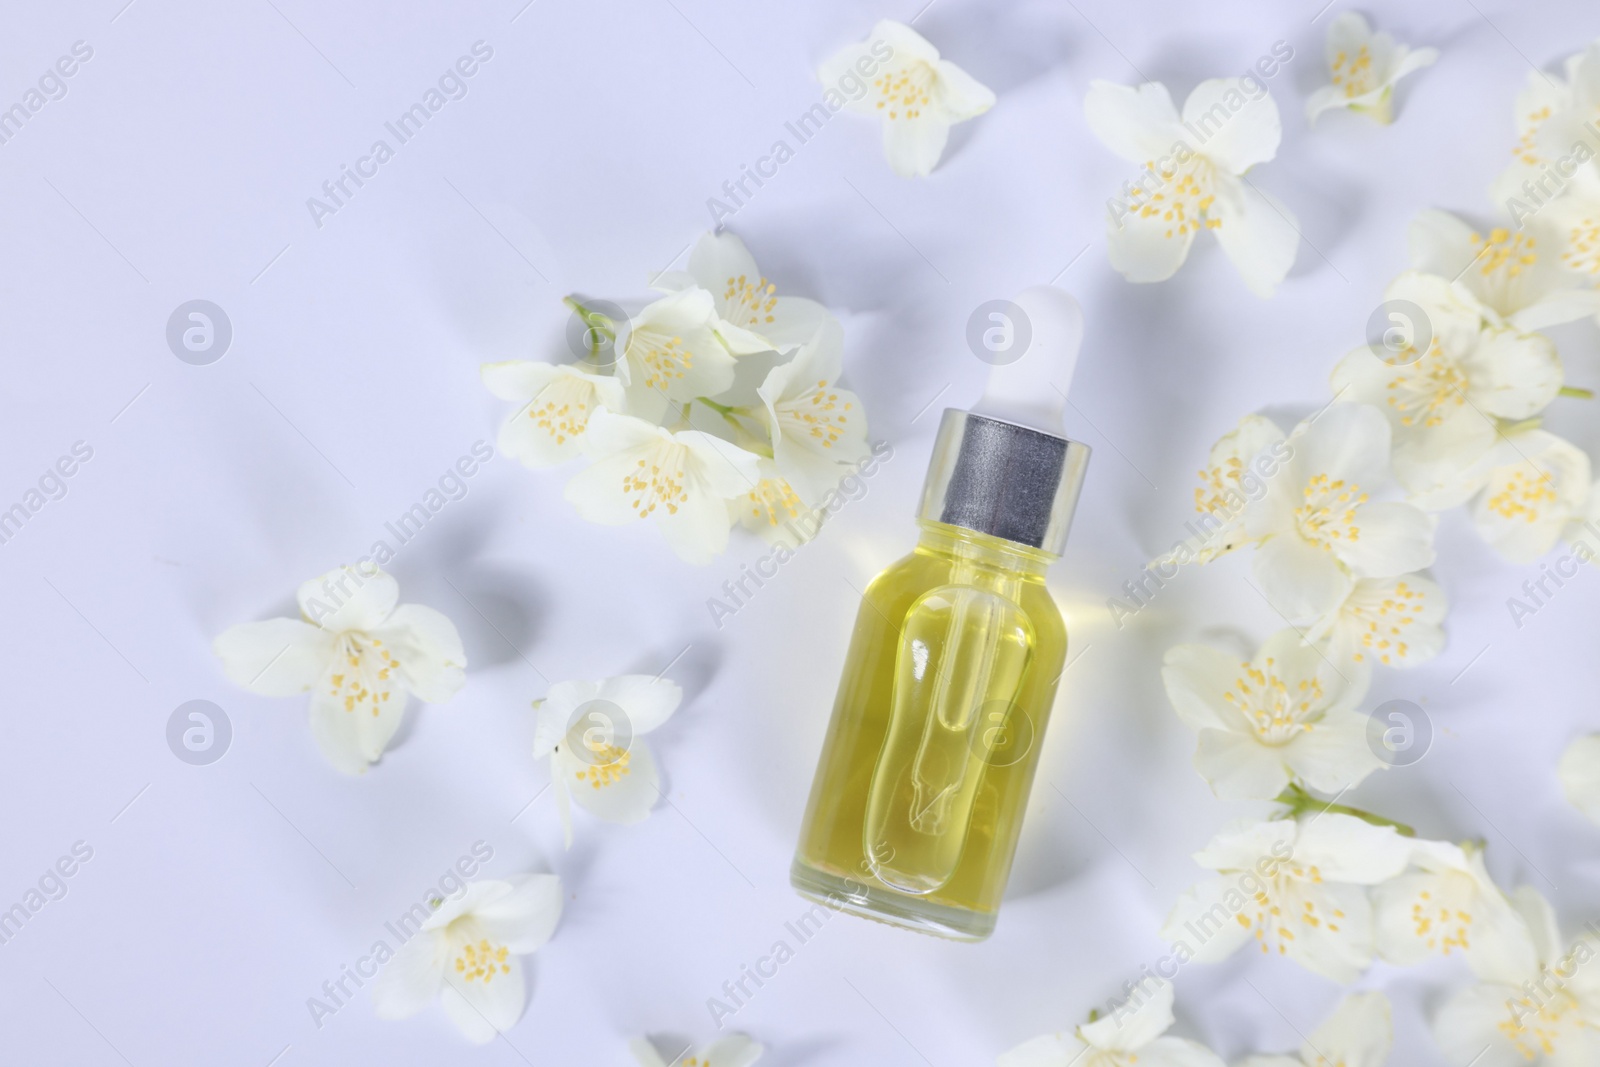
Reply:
x=920, y=572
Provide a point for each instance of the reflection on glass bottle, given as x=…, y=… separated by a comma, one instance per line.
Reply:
x=962, y=649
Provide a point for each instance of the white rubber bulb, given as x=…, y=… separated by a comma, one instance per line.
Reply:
x=1032, y=390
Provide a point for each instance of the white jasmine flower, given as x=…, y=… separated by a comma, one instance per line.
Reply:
x=1317, y=527
x=683, y=481
x=750, y=316
x=672, y=350
x=1392, y=621
x=358, y=652
x=1131, y=1035
x=1544, y=97
x=557, y=400
x=1441, y=403
x=464, y=952
x=732, y=1050
x=917, y=95
x=1529, y=488
x=1573, y=219
x=817, y=428
x=1299, y=886
x=1513, y=276
x=1537, y=484
x=1583, y=532
x=1359, y=1033
x=1234, y=475
x=1193, y=178
x=593, y=734
x=1448, y=905
x=1579, y=771
x=1544, y=1014
x=1559, y=115
x=774, y=510
x=1286, y=714
x=1365, y=68
x=1553, y=175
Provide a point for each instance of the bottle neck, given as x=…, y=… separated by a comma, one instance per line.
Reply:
x=983, y=550
x=1006, y=480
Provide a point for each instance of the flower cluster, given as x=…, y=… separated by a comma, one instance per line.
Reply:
x=1359, y=1033
x=1465, y=375
x=1343, y=566
x=1552, y=180
x=1442, y=407
x=1539, y=1005
x=360, y=652
x=1193, y=163
x=716, y=403
x=1332, y=890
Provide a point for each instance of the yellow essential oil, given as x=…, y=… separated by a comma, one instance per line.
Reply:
x=918, y=799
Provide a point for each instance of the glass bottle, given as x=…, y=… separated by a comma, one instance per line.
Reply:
x=919, y=795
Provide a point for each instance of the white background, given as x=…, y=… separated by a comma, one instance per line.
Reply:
x=221, y=899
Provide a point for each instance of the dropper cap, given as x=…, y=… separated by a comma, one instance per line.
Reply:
x=1005, y=468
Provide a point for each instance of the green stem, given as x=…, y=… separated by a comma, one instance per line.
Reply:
x=732, y=415
x=1576, y=393
x=1299, y=801
x=597, y=323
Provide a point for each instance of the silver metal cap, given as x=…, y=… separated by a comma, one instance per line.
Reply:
x=1005, y=480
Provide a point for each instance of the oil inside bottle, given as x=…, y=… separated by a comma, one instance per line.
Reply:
x=918, y=800
x=963, y=650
